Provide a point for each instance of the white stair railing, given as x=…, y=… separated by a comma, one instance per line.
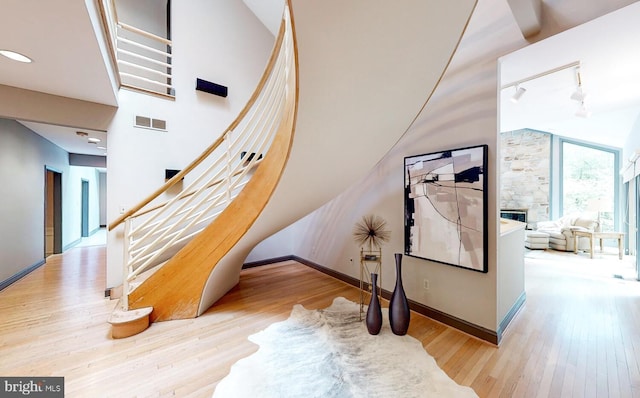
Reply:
x=141, y=59
x=144, y=60
x=156, y=231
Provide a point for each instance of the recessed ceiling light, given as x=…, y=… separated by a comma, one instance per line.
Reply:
x=16, y=56
x=93, y=140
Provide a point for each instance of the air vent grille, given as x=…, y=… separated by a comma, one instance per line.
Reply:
x=149, y=123
x=158, y=124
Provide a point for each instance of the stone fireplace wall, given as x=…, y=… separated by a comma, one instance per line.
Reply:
x=526, y=173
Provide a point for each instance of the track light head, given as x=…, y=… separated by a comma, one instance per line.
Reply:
x=583, y=111
x=518, y=94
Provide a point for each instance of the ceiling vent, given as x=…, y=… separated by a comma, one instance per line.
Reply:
x=149, y=123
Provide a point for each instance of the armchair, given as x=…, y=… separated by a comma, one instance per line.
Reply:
x=561, y=235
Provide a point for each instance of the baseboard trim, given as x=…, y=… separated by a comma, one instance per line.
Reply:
x=511, y=314
x=14, y=278
x=267, y=262
x=449, y=320
x=72, y=244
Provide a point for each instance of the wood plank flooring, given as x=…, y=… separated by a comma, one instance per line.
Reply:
x=577, y=335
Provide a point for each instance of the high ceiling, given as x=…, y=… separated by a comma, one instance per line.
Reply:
x=608, y=52
x=69, y=61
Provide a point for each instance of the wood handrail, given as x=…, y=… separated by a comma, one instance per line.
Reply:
x=144, y=33
x=178, y=177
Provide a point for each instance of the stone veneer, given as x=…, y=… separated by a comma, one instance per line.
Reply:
x=525, y=173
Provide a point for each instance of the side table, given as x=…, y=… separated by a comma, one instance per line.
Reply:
x=598, y=235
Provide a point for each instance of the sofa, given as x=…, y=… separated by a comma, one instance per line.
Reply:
x=561, y=235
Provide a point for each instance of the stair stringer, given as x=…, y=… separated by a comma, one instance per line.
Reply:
x=175, y=290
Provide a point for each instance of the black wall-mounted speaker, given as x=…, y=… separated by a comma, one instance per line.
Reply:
x=169, y=173
x=211, y=88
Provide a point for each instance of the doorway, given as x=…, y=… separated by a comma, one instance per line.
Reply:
x=84, y=217
x=52, y=212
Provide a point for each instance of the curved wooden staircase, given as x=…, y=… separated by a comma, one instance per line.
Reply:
x=196, y=243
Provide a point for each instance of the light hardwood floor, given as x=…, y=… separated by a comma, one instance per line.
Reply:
x=578, y=334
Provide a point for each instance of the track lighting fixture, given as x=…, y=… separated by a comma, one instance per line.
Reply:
x=583, y=111
x=518, y=94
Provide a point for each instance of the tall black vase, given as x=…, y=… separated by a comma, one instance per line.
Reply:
x=374, y=312
x=399, y=314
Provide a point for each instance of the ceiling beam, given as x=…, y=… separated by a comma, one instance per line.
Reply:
x=34, y=106
x=528, y=15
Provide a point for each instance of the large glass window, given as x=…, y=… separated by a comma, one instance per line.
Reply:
x=589, y=182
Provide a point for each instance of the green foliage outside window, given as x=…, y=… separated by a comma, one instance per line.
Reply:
x=588, y=182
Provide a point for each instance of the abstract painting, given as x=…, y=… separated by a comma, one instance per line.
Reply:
x=445, y=207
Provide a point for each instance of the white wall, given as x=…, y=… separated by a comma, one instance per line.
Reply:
x=221, y=42
x=148, y=15
x=280, y=247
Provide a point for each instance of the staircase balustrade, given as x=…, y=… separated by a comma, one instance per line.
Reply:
x=156, y=229
x=144, y=60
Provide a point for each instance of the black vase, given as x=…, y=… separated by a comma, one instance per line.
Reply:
x=374, y=312
x=399, y=314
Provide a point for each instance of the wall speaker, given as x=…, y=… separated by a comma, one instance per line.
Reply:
x=211, y=88
x=250, y=158
x=169, y=173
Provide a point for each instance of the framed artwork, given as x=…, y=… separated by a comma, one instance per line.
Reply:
x=445, y=207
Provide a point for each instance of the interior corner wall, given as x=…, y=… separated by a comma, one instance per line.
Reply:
x=23, y=158
x=274, y=248
x=217, y=41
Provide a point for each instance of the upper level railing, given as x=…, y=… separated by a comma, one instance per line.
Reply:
x=156, y=229
x=143, y=59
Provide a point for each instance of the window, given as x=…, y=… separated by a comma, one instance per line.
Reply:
x=589, y=182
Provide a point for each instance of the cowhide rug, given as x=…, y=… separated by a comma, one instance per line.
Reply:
x=329, y=353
